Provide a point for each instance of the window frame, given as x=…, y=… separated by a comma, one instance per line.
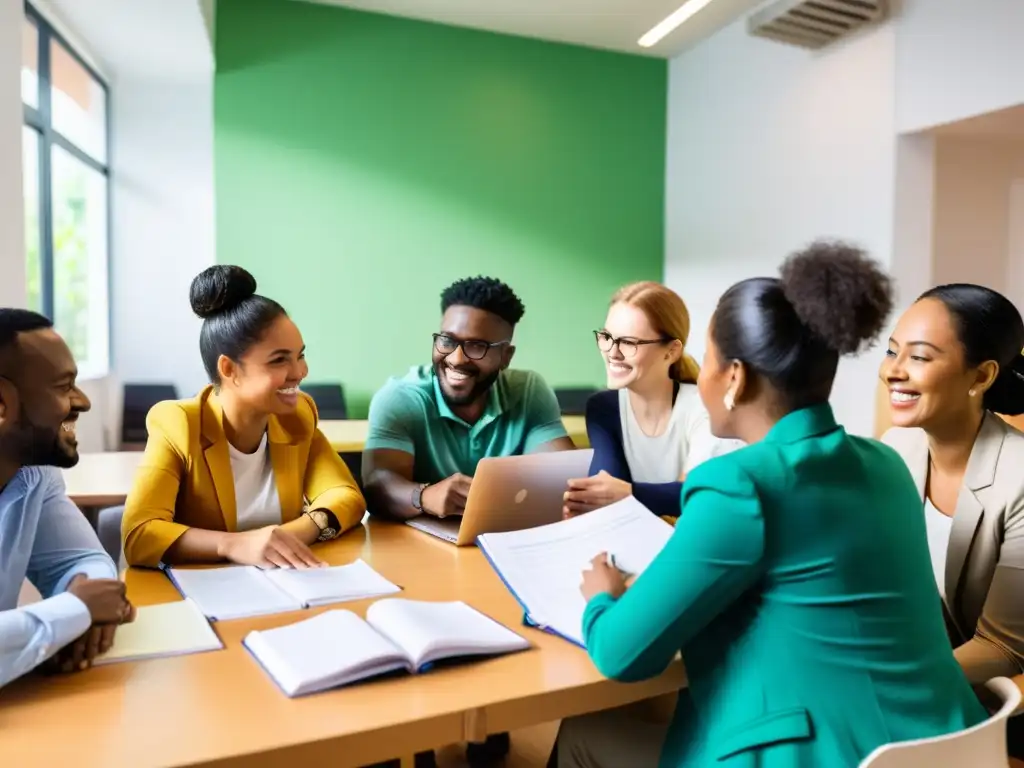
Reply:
x=40, y=120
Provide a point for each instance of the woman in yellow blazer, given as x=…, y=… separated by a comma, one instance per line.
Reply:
x=241, y=472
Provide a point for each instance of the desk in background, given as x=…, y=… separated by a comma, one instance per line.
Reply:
x=220, y=708
x=104, y=479
x=350, y=436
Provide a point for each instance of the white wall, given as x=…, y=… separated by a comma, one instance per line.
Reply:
x=956, y=59
x=769, y=147
x=974, y=178
x=12, y=199
x=163, y=206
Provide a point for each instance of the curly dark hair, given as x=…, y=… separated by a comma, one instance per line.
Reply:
x=486, y=293
x=829, y=300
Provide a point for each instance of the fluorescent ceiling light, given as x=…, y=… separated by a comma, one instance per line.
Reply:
x=677, y=18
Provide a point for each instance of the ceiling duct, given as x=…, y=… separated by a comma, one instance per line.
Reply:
x=814, y=23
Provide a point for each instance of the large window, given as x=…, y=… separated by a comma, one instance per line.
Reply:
x=67, y=192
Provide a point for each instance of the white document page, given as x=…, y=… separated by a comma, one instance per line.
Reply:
x=428, y=631
x=172, y=629
x=332, y=649
x=543, y=566
x=232, y=592
x=321, y=586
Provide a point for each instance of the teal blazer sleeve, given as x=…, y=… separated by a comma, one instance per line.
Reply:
x=714, y=556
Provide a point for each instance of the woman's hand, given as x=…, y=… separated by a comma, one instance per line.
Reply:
x=590, y=493
x=269, y=547
x=602, y=577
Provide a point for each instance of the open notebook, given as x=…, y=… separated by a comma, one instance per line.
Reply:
x=239, y=591
x=397, y=634
x=542, y=566
x=171, y=629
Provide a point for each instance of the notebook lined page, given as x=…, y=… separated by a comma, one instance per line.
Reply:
x=320, y=586
x=232, y=592
x=427, y=631
x=543, y=566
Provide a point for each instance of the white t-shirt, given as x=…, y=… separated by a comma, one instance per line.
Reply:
x=686, y=442
x=256, y=499
x=938, y=526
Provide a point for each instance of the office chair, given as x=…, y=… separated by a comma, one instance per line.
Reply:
x=329, y=399
x=573, y=400
x=138, y=399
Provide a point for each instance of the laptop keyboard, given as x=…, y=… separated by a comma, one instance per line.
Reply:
x=447, y=529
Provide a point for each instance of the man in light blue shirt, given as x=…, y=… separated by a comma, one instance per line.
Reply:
x=43, y=536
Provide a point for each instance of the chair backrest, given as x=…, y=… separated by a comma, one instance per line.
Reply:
x=329, y=399
x=983, y=746
x=138, y=399
x=573, y=400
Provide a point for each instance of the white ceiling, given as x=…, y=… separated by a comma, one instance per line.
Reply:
x=155, y=39
x=1003, y=124
x=610, y=24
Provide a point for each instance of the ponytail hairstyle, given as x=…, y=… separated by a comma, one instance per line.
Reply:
x=829, y=300
x=669, y=316
x=989, y=328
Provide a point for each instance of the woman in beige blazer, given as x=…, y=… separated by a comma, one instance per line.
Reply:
x=955, y=359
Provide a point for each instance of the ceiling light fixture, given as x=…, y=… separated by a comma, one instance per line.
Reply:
x=676, y=19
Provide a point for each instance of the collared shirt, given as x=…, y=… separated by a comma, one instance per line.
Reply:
x=410, y=414
x=44, y=537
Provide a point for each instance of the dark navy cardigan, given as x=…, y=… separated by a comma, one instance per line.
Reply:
x=604, y=429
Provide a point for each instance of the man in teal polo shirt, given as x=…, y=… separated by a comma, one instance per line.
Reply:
x=429, y=428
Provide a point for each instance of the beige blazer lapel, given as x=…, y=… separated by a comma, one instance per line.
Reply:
x=970, y=510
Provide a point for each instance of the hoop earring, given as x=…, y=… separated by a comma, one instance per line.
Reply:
x=729, y=401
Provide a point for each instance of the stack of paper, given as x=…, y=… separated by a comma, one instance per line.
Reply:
x=542, y=567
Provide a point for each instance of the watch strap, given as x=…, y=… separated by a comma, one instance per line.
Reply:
x=417, y=496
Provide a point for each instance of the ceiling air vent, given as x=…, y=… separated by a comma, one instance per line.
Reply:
x=814, y=23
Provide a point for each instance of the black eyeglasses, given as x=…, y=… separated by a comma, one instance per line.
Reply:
x=474, y=349
x=627, y=346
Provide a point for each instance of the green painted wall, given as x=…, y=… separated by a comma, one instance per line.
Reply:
x=364, y=162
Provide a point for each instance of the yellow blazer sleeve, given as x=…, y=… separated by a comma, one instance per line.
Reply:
x=148, y=528
x=328, y=483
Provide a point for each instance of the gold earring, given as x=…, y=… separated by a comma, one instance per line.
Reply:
x=729, y=401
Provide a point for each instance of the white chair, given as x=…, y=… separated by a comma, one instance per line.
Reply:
x=983, y=746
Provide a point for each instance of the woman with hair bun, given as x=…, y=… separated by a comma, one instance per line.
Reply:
x=955, y=359
x=797, y=582
x=241, y=472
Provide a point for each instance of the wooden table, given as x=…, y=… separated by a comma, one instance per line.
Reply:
x=102, y=479
x=221, y=710
x=350, y=436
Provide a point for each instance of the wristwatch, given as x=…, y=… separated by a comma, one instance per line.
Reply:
x=417, y=496
x=323, y=520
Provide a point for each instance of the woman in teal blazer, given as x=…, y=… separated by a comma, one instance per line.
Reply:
x=797, y=583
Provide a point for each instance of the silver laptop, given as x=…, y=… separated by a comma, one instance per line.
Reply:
x=511, y=493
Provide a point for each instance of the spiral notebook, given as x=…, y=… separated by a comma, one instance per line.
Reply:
x=240, y=591
x=397, y=635
x=542, y=566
